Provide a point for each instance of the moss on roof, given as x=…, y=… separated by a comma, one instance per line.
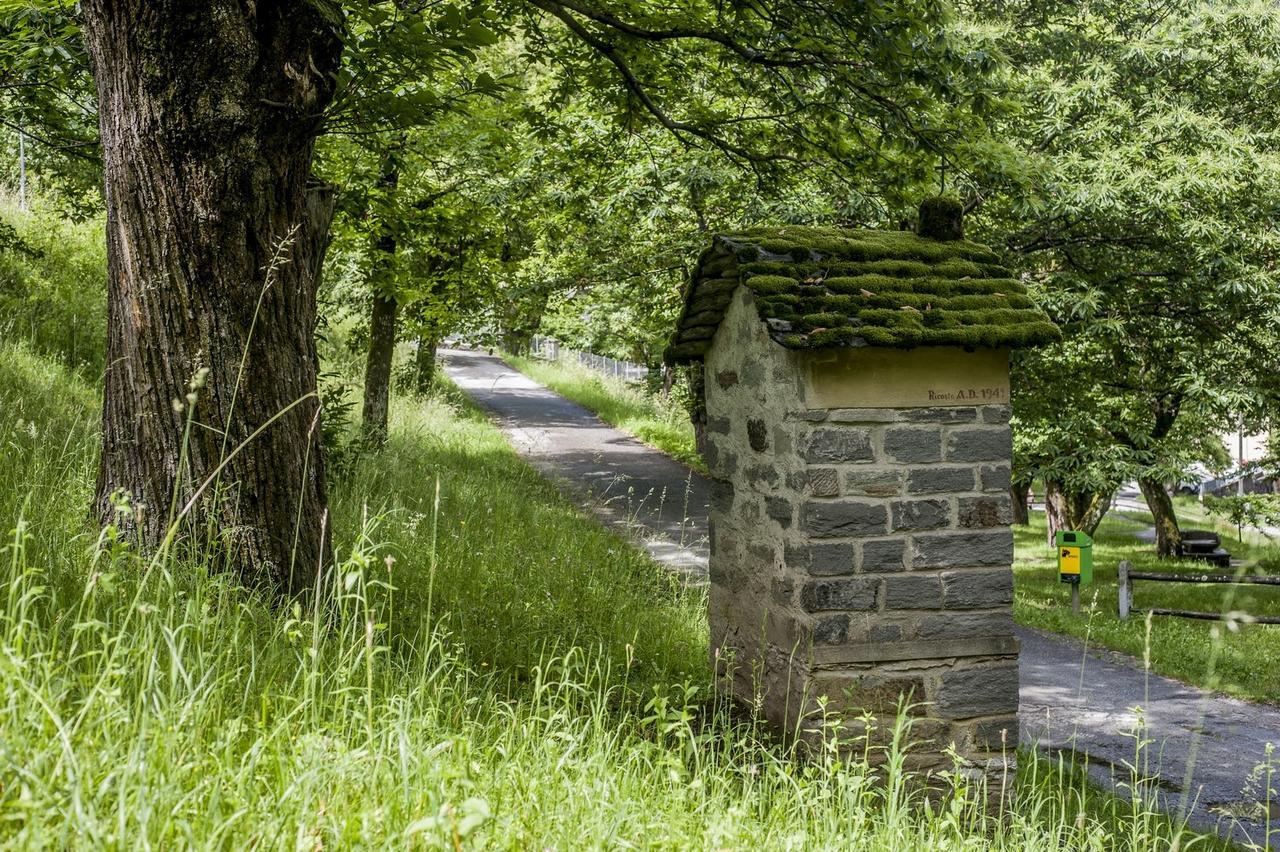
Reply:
x=826, y=287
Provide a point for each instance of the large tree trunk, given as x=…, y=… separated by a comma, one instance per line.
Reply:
x=1168, y=535
x=1081, y=511
x=208, y=114
x=382, y=319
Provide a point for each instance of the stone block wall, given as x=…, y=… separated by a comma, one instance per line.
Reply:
x=753, y=391
x=859, y=554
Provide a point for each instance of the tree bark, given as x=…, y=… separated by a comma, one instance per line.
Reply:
x=208, y=114
x=1056, y=511
x=425, y=361
x=1018, y=493
x=1165, y=410
x=382, y=319
x=1081, y=511
x=1168, y=535
x=377, y=370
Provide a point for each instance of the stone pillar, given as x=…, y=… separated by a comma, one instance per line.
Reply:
x=861, y=554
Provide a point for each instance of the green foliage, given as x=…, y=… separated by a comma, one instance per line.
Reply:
x=338, y=405
x=404, y=66
x=53, y=283
x=582, y=171
x=872, y=91
x=47, y=95
x=432, y=214
x=721, y=122
x=1147, y=227
x=1259, y=511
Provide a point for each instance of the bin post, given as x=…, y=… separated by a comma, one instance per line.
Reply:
x=1075, y=562
x=1126, y=589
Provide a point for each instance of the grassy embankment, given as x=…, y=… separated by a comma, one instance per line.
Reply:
x=1240, y=661
x=495, y=672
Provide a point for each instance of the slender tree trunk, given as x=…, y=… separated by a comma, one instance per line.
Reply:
x=1168, y=535
x=1056, y=513
x=382, y=318
x=1165, y=411
x=208, y=114
x=1018, y=493
x=425, y=361
x=377, y=370
x=1081, y=511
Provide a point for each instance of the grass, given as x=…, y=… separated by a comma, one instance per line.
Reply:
x=490, y=670
x=1240, y=660
x=662, y=424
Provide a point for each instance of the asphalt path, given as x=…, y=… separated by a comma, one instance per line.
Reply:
x=1205, y=756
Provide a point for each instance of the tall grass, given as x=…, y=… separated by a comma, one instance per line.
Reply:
x=485, y=668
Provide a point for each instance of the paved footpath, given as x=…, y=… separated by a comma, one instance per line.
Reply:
x=1071, y=698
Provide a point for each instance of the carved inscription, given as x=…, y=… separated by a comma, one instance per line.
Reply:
x=983, y=396
x=929, y=376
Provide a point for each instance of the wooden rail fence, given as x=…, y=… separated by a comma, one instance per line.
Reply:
x=1128, y=576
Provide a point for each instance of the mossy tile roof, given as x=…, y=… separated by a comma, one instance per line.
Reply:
x=827, y=287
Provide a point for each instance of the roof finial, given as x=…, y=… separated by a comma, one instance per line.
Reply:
x=941, y=219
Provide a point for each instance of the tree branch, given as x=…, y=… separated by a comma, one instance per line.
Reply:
x=633, y=84
x=747, y=52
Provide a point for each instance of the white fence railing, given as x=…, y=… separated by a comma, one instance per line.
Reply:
x=550, y=349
